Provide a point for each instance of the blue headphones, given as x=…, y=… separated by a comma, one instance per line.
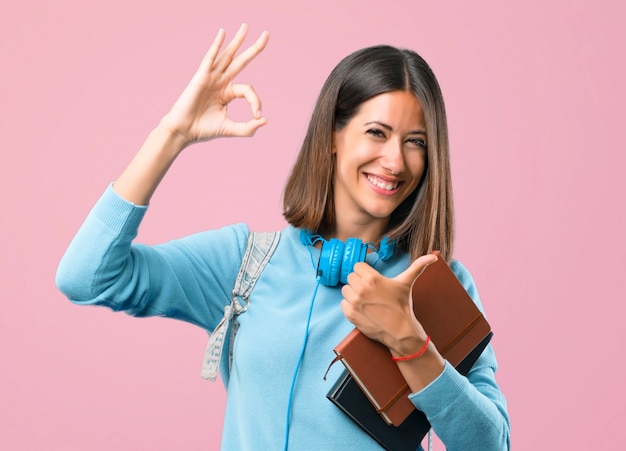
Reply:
x=337, y=259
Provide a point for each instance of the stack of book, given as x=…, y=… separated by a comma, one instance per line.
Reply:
x=372, y=390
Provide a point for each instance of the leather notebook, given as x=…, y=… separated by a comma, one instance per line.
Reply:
x=456, y=327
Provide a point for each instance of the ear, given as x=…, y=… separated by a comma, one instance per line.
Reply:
x=333, y=143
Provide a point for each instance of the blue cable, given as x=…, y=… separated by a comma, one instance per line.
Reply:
x=295, y=374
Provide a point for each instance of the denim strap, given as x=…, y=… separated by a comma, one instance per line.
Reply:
x=259, y=249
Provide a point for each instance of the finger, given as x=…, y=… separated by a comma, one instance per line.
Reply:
x=355, y=278
x=226, y=57
x=244, y=129
x=347, y=292
x=248, y=92
x=352, y=279
x=209, y=57
x=347, y=310
x=363, y=278
x=248, y=55
x=364, y=270
x=415, y=269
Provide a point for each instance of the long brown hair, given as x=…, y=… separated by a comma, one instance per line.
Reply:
x=425, y=220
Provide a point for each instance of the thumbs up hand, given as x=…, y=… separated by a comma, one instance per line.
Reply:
x=382, y=307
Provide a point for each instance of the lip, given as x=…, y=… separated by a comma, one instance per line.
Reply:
x=380, y=190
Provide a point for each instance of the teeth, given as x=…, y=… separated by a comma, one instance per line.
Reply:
x=381, y=183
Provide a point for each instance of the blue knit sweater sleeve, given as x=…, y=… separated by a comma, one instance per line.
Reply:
x=467, y=413
x=190, y=279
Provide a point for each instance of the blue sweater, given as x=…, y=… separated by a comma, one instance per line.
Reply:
x=191, y=279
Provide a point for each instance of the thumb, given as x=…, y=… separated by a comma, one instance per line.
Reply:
x=243, y=129
x=415, y=269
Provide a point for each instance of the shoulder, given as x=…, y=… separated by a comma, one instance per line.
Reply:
x=466, y=279
x=462, y=273
x=229, y=239
x=219, y=250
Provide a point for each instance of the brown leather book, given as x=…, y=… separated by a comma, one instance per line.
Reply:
x=449, y=316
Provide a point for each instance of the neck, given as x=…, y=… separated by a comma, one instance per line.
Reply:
x=371, y=232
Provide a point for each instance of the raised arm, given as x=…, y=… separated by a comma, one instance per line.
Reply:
x=102, y=266
x=199, y=114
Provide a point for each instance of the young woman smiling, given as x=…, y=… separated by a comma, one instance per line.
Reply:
x=374, y=165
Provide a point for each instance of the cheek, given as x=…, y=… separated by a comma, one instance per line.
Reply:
x=416, y=164
x=344, y=172
x=352, y=155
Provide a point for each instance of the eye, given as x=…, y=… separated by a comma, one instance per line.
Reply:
x=418, y=142
x=375, y=132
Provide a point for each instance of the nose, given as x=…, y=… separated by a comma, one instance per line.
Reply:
x=392, y=157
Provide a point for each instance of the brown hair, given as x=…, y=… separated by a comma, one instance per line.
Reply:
x=425, y=220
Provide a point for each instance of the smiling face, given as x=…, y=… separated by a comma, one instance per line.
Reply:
x=380, y=159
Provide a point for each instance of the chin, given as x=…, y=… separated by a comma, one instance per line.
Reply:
x=380, y=213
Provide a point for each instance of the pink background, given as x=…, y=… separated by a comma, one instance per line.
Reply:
x=535, y=98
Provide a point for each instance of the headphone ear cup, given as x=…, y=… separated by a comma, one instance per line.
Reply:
x=330, y=262
x=354, y=252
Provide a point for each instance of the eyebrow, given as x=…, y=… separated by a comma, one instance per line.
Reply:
x=390, y=128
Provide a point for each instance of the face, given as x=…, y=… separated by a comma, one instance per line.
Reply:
x=380, y=158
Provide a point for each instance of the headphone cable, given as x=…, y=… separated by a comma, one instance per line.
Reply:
x=300, y=357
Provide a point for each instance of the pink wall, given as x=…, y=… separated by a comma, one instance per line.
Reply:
x=535, y=97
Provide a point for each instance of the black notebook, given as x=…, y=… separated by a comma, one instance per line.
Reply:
x=349, y=397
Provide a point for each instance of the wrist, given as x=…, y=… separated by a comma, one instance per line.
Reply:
x=143, y=174
x=415, y=355
x=410, y=346
x=175, y=140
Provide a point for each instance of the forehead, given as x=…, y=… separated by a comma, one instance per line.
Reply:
x=399, y=109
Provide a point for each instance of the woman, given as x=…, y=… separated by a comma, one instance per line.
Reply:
x=373, y=166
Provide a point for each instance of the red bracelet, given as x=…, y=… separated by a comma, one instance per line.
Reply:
x=413, y=356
